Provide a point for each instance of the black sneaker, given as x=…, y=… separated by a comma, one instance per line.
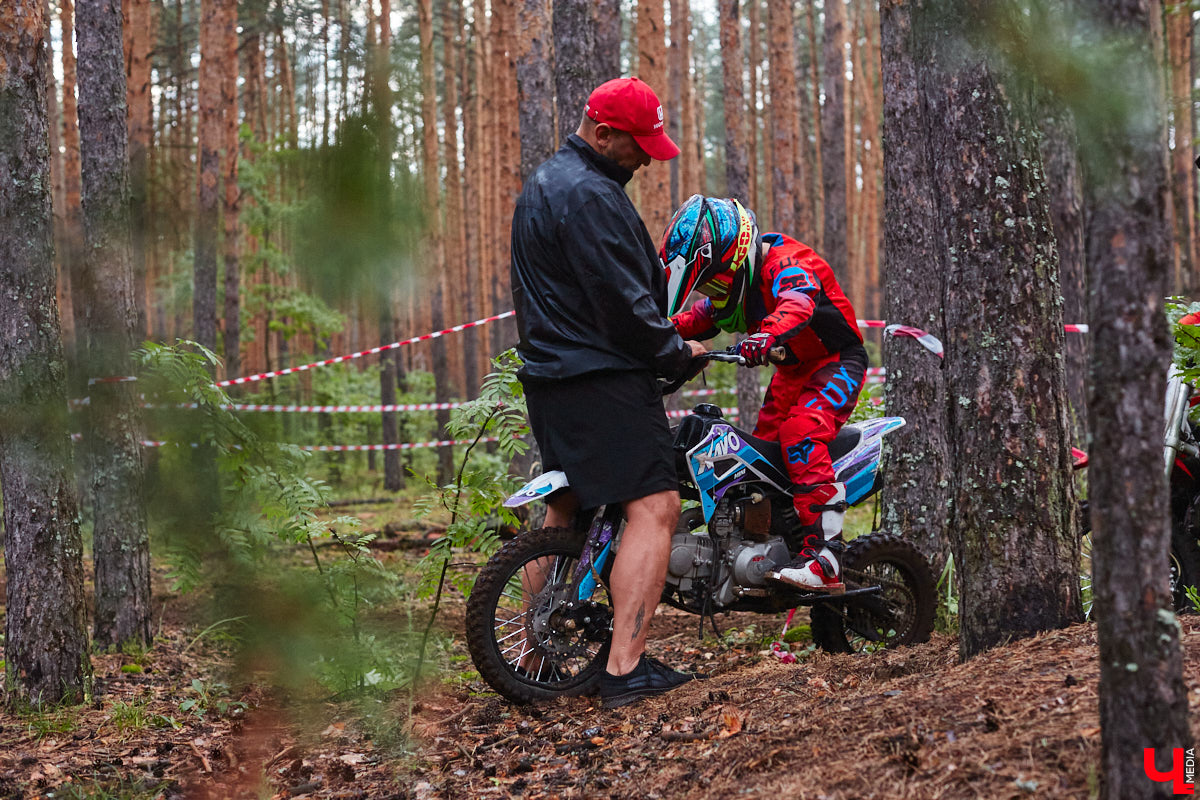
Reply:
x=648, y=678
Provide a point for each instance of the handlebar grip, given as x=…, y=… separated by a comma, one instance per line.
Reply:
x=777, y=355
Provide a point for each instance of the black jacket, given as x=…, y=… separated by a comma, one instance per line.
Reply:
x=588, y=285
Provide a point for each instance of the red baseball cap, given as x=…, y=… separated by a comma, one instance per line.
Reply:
x=629, y=105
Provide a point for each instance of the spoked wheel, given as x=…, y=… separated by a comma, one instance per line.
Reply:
x=902, y=613
x=529, y=636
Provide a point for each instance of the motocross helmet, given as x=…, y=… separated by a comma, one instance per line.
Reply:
x=712, y=246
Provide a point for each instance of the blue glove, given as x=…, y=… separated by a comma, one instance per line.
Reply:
x=755, y=348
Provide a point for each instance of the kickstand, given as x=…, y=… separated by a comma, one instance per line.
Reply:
x=707, y=610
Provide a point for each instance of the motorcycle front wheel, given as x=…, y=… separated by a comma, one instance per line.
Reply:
x=901, y=613
x=530, y=637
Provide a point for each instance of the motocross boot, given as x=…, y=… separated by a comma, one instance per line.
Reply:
x=815, y=568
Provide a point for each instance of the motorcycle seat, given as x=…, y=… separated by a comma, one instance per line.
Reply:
x=846, y=440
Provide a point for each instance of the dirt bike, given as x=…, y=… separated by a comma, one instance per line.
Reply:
x=539, y=619
x=1181, y=464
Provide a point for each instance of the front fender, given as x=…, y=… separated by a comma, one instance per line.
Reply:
x=539, y=488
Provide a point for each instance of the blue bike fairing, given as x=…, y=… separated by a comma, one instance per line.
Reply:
x=858, y=468
x=723, y=459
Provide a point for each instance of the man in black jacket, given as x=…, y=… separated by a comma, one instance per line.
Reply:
x=590, y=295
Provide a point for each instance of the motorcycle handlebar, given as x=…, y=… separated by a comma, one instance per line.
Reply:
x=776, y=355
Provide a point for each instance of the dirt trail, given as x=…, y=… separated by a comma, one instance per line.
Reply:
x=1019, y=721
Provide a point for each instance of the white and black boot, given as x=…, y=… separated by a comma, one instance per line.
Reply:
x=815, y=568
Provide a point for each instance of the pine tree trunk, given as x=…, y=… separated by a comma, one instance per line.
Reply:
x=785, y=155
x=690, y=164
x=917, y=466
x=474, y=203
x=507, y=155
x=1064, y=182
x=456, y=234
x=833, y=139
x=204, y=284
x=1013, y=522
x=810, y=126
x=57, y=192
x=737, y=174
x=535, y=84
x=45, y=636
x=1183, y=170
x=676, y=79
x=654, y=180
x=608, y=41
x=575, y=73
x=754, y=53
x=230, y=157
x=112, y=430
x=72, y=254
x=1143, y=699
x=436, y=255
x=140, y=124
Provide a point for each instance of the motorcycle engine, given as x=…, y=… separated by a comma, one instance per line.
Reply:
x=742, y=565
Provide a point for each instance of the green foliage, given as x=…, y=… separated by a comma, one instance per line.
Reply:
x=362, y=222
x=110, y=789
x=211, y=698
x=947, y=611
x=1193, y=597
x=475, y=498
x=1071, y=59
x=132, y=716
x=231, y=511
x=1186, y=338
x=49, y=721
x=870, y=403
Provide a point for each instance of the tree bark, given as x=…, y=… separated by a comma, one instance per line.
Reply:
x=917, y=466
x=608, y=40
x=138, y=38
x=430, y=178
x=1064, y=182
x=754, y=53
x=1013, y=521
x=575, y=72
x=690, y=162
x=1143, y=699
x=204, y=266
x=654, y=180
x=232, y=204
x=45, y=636
x=113, y=431
x=1183, y=169
x=737, y=173
x=72, y=255
x=785, y=155
x=535, y=84
x=833, y=139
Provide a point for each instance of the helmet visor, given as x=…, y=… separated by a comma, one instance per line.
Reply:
x=682, y=275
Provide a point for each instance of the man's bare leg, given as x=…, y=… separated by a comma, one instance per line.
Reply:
x=638, y=575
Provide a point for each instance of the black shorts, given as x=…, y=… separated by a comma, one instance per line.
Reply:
x=607, y=431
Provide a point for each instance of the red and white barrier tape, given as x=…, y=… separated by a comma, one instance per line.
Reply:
x=338, y=448
x=374, y=409
x=424, y=337
x=862, y=323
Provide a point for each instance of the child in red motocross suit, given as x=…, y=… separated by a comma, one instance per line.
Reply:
x=781, y=293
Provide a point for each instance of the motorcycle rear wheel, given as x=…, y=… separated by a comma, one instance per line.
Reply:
x=901, y=614
x=527, y=639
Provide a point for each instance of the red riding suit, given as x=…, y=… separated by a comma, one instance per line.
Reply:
x=801, y=306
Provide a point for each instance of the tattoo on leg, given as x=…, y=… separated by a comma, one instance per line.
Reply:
x=637, y=623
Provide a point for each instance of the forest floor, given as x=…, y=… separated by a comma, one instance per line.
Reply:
x=1018, y=721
